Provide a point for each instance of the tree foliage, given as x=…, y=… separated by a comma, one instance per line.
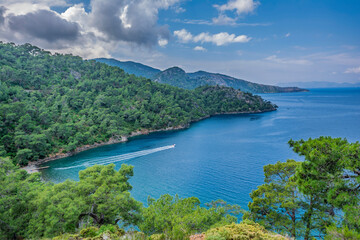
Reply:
x=178, y=218
x=280, y=206
x=332, y=170
x=314, y=197
x=34, y=209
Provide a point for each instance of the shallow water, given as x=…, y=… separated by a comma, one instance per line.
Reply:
x=223, y=157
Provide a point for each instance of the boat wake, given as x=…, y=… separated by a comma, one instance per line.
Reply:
x=118, y=158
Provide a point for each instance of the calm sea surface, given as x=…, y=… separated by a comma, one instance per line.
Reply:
x=223, y=157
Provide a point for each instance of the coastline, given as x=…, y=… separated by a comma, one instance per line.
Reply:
x=33, y=167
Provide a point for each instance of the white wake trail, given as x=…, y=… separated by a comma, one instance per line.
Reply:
x=118, y=158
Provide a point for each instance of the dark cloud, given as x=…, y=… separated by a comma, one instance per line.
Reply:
x=44, y=25
x=130, y=21
x=2, y=12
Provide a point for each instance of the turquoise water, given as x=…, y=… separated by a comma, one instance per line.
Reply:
x=223, y=157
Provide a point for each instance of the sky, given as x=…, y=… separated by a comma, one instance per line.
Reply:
x=263, y=41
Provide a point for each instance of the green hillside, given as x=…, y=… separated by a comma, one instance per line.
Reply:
x=53, y=103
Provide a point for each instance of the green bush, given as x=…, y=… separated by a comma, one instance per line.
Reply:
x=334, y=233
x=89, y=232
x=246, y=230
x=157, y=237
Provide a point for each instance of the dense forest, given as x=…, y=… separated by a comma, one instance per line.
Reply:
x=52, y=103
x=317, y=198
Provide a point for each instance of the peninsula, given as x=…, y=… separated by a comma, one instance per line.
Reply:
x=54, y=105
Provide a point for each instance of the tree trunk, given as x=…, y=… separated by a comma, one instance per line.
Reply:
x=308, y=220
x=293, y=229
x=99, y=220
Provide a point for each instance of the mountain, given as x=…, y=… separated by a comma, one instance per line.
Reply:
x=130, y=67
x=176, y=76
x=55, y=105
x=320, y=84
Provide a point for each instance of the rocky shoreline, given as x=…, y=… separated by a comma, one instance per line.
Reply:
x=33, y=166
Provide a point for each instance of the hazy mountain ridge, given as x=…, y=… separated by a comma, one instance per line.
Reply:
x=130, y=67
x=176, y=76
x=321, y=84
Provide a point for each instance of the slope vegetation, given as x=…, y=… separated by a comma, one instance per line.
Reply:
x=53, y=103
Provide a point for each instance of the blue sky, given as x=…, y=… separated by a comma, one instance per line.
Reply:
x=264, y=41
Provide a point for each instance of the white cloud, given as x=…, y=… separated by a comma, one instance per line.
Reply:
x=218, y=39
x=240, y=6
x=163, y=42
x=200, y=48
x=179, y=9
x=300, y=48
x=124, y=17
x=108, y=27
x=183, y=35
x=287, y=35
x=274, y=58
x=353, y=70
x=222, y=19
x=25, y=6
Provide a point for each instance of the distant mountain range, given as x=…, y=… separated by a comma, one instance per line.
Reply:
x=318, y=84
x=176, y=76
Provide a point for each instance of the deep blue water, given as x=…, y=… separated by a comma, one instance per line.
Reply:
x=223, y=157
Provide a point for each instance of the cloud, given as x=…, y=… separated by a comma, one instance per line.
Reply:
x=300, y=48
x=355, y=70
x=218, y=39
x=287, y=35
x=45, y=25
x=179, y=9
x=183, y=35
x=130, y=21
x=21, y=7
x=76, y=13
x=240, y=6
x=101, y=28
x=221, y=21
x=163, y=42
x=200, y=48
x=43, y=2
x=2, y=13
x=275, y=59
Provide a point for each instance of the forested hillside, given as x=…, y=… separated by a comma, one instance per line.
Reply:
x=52, y=103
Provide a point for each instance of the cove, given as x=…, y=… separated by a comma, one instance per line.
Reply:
x=223, y=157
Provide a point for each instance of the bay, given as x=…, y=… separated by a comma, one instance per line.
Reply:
x=223, y=157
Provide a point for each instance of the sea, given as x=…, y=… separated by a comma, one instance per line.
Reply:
x=223, y=157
